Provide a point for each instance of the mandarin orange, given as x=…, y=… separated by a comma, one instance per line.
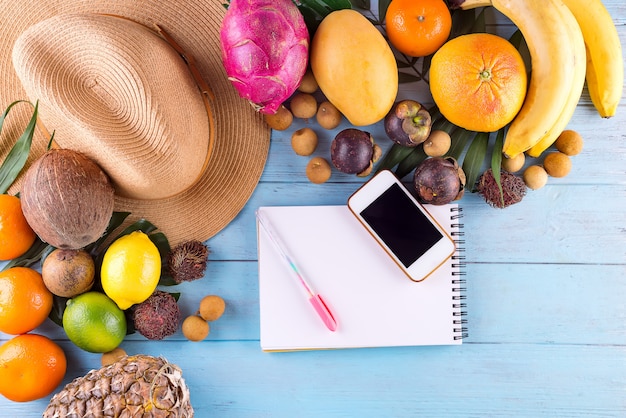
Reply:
x=31, y=367
x=478, y=81
x=25, y=302
x=418, y=27
x=16, y=235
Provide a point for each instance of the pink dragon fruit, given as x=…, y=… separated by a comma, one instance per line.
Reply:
x=265, y=50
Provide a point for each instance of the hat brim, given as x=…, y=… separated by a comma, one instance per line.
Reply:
x=241, y=137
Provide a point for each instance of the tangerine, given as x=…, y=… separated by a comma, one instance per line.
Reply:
x=16, y=235
x=478, y=81
x=31, y=367
x=25, y=302
x=418, y=27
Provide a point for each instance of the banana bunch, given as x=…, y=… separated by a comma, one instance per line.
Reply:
x=569, y=41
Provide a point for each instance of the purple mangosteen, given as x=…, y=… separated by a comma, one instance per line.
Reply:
x=408, y=123
x=439, y=181
x=354, y=151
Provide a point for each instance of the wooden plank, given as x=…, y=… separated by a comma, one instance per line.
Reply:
x=519, y=303
x=235, y=379
x=560, y=221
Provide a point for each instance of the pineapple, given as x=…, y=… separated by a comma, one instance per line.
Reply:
x=134, y=386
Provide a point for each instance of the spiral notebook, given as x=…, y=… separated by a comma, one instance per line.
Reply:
x=374, y=303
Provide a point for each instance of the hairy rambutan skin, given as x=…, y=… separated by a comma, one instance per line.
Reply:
x=158, y=316
x=513, y=189
x=187, y=261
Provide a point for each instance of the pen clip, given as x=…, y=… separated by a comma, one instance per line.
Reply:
x=323, y=311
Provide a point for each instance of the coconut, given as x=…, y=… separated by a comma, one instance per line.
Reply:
x=67, y=199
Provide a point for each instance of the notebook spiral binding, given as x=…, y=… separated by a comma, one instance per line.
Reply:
x=458, y=275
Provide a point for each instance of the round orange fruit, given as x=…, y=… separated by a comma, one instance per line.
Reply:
x=418, y=27
x=31, y=367
x=25, y=302
x=478, y=81
x=16, y=235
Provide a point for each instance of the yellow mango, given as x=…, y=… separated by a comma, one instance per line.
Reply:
x=354, y=67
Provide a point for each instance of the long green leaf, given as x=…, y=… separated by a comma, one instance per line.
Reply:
x=314, y=11
x=361, y=4
x=496, y=162
x=474, y=159
x=15, y=160
x=404, y=78
x=7, y=110
x=518, y=41
x=480, y=25
x=395, y=154
x=442, y=124
x=141, y=225
x=426, y=67
x=58, y=308
x=383, y=5
x=117, y=219
x=458, y=141
x=411, y=161
x=34, y=255
x=462, y=22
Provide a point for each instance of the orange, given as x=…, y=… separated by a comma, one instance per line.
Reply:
x=418, y=27
x=478, y=81
x=16, y=236
x=31, y=367
x=25, y=302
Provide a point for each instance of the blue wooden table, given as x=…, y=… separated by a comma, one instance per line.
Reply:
x=546, y=296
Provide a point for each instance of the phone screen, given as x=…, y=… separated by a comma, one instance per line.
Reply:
x=401, y=225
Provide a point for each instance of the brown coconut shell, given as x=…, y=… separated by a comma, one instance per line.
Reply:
x=67, y=199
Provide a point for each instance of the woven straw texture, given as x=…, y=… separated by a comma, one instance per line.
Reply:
x=241, y=138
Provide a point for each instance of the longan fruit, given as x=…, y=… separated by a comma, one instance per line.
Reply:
x=557, y=164
x=308, y=84
x=304, y=141
x=211, y=307
x=303, y=105
x=328, y=116
x=281, y=120
x=318, y=170
x=112, y=356
x=437, y=144
x=195, y=328
x=569, y=142
x=515, y=164
x=535, y=177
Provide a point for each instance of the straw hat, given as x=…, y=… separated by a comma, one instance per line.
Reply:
x=110, y=86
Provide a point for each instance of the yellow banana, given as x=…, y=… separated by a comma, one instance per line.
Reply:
x=575, y=92
x=605, y=65
x=553, y=57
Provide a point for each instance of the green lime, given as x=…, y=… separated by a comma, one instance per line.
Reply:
x=94, y=323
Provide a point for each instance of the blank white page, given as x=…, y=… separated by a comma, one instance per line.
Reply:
x=374, y=303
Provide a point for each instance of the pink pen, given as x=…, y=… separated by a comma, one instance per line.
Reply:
x=315, y=299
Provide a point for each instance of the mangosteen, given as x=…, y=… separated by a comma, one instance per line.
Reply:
x=354, y=152
x=408, y=123
x=439, y=181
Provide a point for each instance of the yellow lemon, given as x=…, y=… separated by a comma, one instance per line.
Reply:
x=131, y=269
x=93, y=322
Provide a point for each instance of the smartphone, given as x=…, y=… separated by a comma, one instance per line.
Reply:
x=401, y=225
